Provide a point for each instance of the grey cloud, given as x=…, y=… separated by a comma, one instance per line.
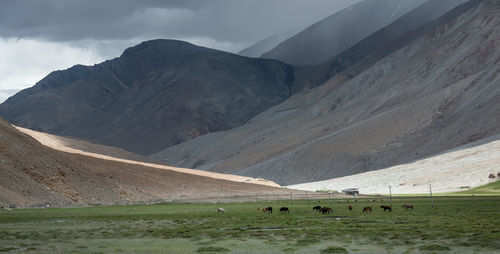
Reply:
x=223, y=20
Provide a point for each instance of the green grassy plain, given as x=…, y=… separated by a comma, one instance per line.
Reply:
x=455, y=224
x=488, y=189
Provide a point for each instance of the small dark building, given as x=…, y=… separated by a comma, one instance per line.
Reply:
x=351, y=191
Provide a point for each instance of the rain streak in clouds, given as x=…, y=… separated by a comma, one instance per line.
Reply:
x=37, y=37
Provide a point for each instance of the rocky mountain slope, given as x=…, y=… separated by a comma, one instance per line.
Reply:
x=32, y=175
x=156, y=94
x=380, y=44
x=339, y=31
x=437, y=92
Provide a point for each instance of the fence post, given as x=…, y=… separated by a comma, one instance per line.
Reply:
x=390, y=194
x=291, y=198
x=432, y=199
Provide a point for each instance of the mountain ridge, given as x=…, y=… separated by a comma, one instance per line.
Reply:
x=158, y=93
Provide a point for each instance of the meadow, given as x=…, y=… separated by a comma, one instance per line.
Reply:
x=461, y=224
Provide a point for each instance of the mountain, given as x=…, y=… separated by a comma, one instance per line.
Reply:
x=266, y=44
x=437, y=91
x=383, y=43
x=156, y=94
x=33, y=175
x=339, y=31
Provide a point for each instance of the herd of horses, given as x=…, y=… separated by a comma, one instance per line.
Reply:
x=323, y=210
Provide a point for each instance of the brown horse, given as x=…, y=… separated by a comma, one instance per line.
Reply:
x=408, y=207
x=386, y=208
x=267, y=209
x=350, y=208
x=326, y=210
x=367, y=209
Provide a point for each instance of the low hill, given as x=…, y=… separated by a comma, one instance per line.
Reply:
x=33, y=175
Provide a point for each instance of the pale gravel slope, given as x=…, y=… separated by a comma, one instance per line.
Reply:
x=57, y=143
x=468, y=165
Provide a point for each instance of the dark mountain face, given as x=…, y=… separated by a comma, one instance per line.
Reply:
x=336, y=33
x=438, y=91
x=156, y=94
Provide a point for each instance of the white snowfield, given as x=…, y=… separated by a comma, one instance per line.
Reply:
x=452, y=171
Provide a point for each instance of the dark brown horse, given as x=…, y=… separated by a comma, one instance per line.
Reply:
x=350, y=208
x=385, y=207
x=267, y=209
x=408, y=207
x=326, y=210
x=367, y=209
x=317, y=208
x=284, y=210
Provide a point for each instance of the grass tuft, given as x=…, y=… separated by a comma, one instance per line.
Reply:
x=334, y=249
x=212, y=249
x=7, y=249
x=434, y=247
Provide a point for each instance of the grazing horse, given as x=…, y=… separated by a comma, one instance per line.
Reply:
x=326, y=210
x=284, y=210
x=386, y=208
x=317, y=208
x=408, y=207
x=367, y=209
x=267, y=209
x=220, y=210
x=350, y=208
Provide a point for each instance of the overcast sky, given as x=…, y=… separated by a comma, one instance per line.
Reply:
x=40, y=36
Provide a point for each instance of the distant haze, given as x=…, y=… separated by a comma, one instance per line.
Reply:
x=37, y=37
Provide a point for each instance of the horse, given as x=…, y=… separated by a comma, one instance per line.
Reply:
x=367, y=209
x=220, y=210
x=317, y=208
x=350, y=208
x=326, y=210
x=284, y=210
x=386, y=208
x=408, y=207
x=267, y=209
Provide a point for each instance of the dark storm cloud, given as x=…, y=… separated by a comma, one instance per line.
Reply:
x=222, y=20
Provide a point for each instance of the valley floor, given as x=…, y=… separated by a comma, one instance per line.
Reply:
x=458, y=224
